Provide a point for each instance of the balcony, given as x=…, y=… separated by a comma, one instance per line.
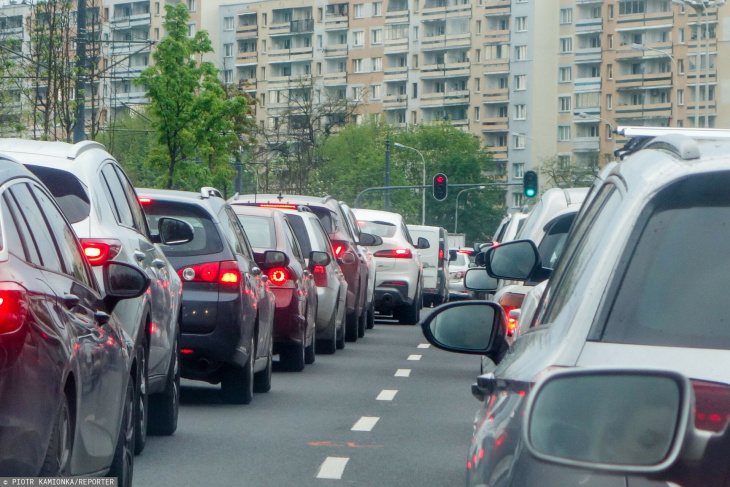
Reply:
x=396, y=17
x=301, y=26
x=585, y=144
x=335, y=50
x=250, y=57
x=396, y=74
x=289, y=55
x=396, y=45
x=583, y=85
x=493, y=9
x=446, y=41
x=247, y=84
x=133, y=20
x=395, y=102
x=335, y=79
x=339, y=22
x=247, y=31
x=496, y=36
x=498, y=95
x=446, y=70
x=446, y=11
x=499, y=152
x=645, y=110
x=647, y=80
x=495, y=124
x=450, y=98
x=646, y=20
x=588, y=55
x=496, y=66
x=589, y=26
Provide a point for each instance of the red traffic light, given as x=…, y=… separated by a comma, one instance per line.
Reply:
x=440, y=179
x=440, y=186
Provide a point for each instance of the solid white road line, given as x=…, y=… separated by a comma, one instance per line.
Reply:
x=332, y=468
x=366, y=423
x=403, y=373
x=424, y=345
x=386, y=395
x=415, y=357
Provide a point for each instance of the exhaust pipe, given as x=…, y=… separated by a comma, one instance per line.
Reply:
x=203, y=364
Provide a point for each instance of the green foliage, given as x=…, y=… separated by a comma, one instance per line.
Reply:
x=354, y=161
x=130, y=139
x=195, y=120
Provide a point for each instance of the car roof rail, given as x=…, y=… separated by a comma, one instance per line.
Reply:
x=639, y=137
x=208, y=191
x=682, y=146
x=80, y=147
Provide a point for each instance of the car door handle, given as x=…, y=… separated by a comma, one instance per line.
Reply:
x=71, y=301
x=159, y=263
x=139, y=255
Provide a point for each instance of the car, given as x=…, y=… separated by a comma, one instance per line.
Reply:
x=399, y=284
x=630, y=290
x=435, y=264
x=68, y=364
x=227, y=306
x=98, y=199
x=460, y=260
x=278, y=254
x=508, y=228
x=344, y=241
x=329, y=279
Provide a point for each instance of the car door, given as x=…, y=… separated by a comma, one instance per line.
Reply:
x=101, y=364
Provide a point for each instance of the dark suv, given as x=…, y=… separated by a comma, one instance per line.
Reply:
x=351, y=260
x=227, y=309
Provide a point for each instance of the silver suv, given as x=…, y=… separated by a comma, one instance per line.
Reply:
x=637, y=286
x=99, y=201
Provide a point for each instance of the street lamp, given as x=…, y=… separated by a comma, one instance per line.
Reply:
x=610, y=126
x=456, y=210
x=639, y=47
x=423, y=190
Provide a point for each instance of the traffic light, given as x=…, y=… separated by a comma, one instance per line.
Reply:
x=529, y=183
x=440, y=186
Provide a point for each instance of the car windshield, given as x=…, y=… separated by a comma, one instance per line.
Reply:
x=460, y=260
x=260, y=231
x=381, y=229
x=206, y=239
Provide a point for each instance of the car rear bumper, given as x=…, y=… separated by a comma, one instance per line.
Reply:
x=388, y=298
x=289, y=321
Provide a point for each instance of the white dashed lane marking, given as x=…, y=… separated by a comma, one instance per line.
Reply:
x=415, y=357
x=403, y=373
x=332, y=468
x=366, y=423
x=424, y=345
x=386, y=395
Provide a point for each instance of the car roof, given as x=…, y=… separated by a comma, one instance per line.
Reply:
x=255, y=211
x=212, y=204
x=60, y=155
x=283, y=199
x=377, y=215
x=11, y=169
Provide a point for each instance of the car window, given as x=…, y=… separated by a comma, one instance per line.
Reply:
x=69, y=192
x=292, y=241
x=39, y=231
x=327, y=218
x=406, y=233
x=206, y=239
x=530, y=221
x=320, y=235
x=228, y=231
x=24, y=248
x=670, y=292
x=137, y=213
x=579, y=261
x=260, y=230
x=300, y=230
x=500, y=232
x=381, y=229
x=115, y=194
x=553, y=242
x=240, y=234
x=73, y=261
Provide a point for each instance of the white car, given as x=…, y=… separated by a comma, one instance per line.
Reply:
x=435, y=264
x=459, y=263
x=399, y=280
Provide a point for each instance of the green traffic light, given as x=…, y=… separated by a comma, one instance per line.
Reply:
x=530, y=193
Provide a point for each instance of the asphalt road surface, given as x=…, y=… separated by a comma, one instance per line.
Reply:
x=384, y=412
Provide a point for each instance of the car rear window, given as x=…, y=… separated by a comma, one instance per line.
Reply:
x=552, y=243
x=381, y=229
x=327, y=218
x=260, y=231
x=69, y=192
x=300, y=230
x=206, y=239
x=671, y=292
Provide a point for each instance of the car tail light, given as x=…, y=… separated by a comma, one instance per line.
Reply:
x=511, y=325
x=144, y=201
x=278, y=275
x=458, y=275
x=186, y=351
x=100, y=250
x=320, y=275
x=339, y=250
x=394, y=253
x=462, y=251
x=13, y=306
x=510, y=301
x=230, y=273
x=712, y=405
x=280, y=206
x=226, y=272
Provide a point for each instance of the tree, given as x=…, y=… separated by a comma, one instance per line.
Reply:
x=194, y=119
x=130, y=139
x=561, y=173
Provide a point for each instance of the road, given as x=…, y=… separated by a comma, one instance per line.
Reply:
x=301, y=432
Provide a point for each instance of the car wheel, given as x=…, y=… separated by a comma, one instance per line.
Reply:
x=309, y=352
x=56, y=463
x=293, y=357
x=141, y=400
x=409, y=315
x=371, y=316
x=122, y=466
x=362, y=323
x=164, y=407
x=262, y=379
x=351, y=326
x=341, y=334
x=237, y=382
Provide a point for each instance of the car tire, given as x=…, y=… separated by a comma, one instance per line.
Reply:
x=427, y=301
x=329, y=345
x=362, y=323
x=351, y=326
x=293, y=356
x=237, y=382
x=58, y=454
x=122, y=466
x=165, y=407
x=371, y=316
x=309, y=352
x=262, y=379
x=141, y=399
x=409, y=314
x=341, y=334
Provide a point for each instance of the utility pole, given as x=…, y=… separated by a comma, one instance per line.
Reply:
x=387, y=173
x=79, y=132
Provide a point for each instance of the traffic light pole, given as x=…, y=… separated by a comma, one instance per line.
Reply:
x=419, y=186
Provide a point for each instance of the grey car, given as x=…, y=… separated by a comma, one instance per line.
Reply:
x=636, y=286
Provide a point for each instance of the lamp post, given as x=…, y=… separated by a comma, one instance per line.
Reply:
x=423, y=190
x=639, y=47
x=456, y=210
x=610, y=126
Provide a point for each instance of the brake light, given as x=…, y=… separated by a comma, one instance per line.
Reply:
x=186, y=351
x=100, y=250
x=712, y=405
x=510, y=301
x=394, y=253
x=278, y=205
x=467, y=252
x=511, y=325
x=441, y=253
x=226, y=272
x=339, y=250
x=320, y=275
x=144, y=201
x=278, y=276
x=230, y=273
x=13, y=306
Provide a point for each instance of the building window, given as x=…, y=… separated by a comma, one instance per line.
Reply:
x=376, y=36
x=415, y=90
x=520, y=112
x=319, y=68
x=518, y=169
x=263, y=72
x=517, y=200
x=377, y=64
x=609, y=101
x=609, y=71
x=228, y=48
x=227, y=23
x=564, y=103
x=518, y=141
x=566, y=44
x=191, y=5
x=157, y=9
x=563, y=161
x=680, y=66
x=630, y=7
x=680, y=97
x=478, y=54
x=520, y=53
x=191, y=30
x=357, y=92
x=228, y=76
x=521, y=24
x=609, y=134
x=358, y=38
x=477, y=114
x=566, y=74
x=357, y=65
x=359, y=9
x=415, y=33
x=610, y=11
x=375, y=92
x=479, y=26
x=157, y=34
x=414, y=117
x=563, y=133
x=520, y=82
x=264, y=20
x=263, y=99
x=478, y=85
x=610, y=41
x=566, y=15
x=377, y=9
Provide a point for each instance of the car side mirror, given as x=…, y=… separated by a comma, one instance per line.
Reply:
x=516, y=260
x=621, y=421
x=122, y=281
x=319, y=258
x=479, y=280
x=275, y=258
x=173, y=232
x=370, y=240
x=452, y=255
x=470, y=327
x=423, y=243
